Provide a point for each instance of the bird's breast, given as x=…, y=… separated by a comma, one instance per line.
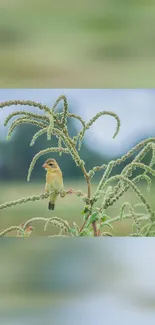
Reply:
x=54, y=181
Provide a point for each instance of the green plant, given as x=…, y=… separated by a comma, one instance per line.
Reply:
x=109, y=189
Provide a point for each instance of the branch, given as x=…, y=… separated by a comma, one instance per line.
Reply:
x=133, y=214
x=27, y=114
x=147, y=142
x=25, y=103
x=41, y=153
x=62, y=97
x=23, y=120
x=89, y=124
x=140, y=156
x=116, y=195
x=24, y=200
x=135, y=189
x=42, y=196
x=37, y=135
x=58, y=222
x=50, y=127
x=4, y=232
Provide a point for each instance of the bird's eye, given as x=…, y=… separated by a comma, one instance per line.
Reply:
x=51, y=164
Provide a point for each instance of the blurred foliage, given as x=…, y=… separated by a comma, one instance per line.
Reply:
x=62, y=44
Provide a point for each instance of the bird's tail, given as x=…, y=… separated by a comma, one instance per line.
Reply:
x=51, y=206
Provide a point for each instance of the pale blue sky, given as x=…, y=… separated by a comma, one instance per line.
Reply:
x=135, y=107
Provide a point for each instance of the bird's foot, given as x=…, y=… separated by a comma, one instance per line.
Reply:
x=62, y=194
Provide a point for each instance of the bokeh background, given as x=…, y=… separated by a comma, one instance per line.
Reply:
x=136, y=111
x=77, y=281
x=77, y=44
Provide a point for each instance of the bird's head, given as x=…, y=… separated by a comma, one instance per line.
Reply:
x=50, y=165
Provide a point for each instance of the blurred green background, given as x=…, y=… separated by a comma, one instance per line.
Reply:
x=77, y=44
x=98, y=148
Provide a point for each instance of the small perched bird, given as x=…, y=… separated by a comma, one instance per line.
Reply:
x=54, y=180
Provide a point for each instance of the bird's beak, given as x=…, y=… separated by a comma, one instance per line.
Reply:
x=44, y=165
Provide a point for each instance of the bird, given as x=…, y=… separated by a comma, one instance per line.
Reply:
x=54, y=180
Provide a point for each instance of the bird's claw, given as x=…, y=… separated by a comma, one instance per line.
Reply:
x=62, y=193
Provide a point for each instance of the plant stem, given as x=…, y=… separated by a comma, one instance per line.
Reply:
x=83, y=225
x=88, y=181
x=86, y=175
x=94, y=228
x=89, y=196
